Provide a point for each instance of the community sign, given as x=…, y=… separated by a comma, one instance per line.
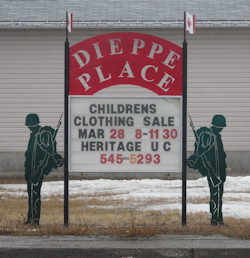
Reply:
x=125, y=133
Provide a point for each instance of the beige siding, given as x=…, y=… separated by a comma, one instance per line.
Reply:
x=32, y=80
x=219, y=83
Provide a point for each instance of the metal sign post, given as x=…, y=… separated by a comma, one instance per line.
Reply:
x=184, y=129
x=66, y=94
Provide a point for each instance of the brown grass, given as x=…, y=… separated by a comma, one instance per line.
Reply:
x=12, y=181
x=100, y=214
x=84, y=220
x=198, y=200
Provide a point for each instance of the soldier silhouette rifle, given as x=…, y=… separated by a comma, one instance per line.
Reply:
x=210, y=170
x=41, y=157
x=210, y=159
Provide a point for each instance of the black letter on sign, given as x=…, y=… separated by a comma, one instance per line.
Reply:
x=75, y=120
x=164, y=146
x=154, y=146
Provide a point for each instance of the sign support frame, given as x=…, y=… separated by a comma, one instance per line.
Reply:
x=66, y=126
x=184, y=129
x=66, y=94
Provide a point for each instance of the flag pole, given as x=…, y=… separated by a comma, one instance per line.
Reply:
x=184, y=129
x=184, y=26
x=66, y=94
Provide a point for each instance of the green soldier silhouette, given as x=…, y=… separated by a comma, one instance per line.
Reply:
x=210, y=159
x=40, y=158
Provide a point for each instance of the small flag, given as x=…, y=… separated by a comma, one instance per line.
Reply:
x=70, y=20
x=190, y=23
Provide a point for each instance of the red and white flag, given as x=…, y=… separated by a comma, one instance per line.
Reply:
x=70, y=21
x=190, y=23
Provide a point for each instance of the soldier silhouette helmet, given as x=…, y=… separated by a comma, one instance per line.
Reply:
x=219, y=121
x=32, y=120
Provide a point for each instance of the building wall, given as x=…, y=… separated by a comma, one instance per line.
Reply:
x=32, y=81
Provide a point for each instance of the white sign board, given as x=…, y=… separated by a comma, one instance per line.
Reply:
x=125, y=134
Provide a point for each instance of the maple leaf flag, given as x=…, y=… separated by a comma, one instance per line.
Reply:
x=190, y=23
x=70, y=20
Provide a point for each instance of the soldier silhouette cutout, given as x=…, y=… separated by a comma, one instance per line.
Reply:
x=40, y=158
x=210, y=159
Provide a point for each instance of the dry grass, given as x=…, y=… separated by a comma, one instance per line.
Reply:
x=12, y=181
x=198, y=200
x=18, y=180
x=103, y=214
x=115, y=222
